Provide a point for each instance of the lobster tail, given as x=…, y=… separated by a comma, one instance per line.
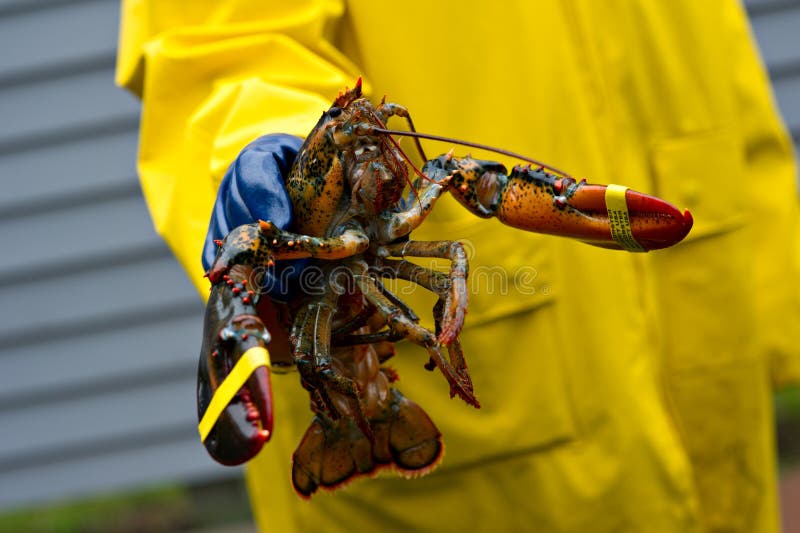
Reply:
x=332, y=453
x=414, y=442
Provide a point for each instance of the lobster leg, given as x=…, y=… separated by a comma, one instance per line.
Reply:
x=536, y=200
x=433, y=280
x=313, y=359
x=455, y=371
x=457, y=296
x=419, y=205
x=438, y=283
x=232, y=328
x=332, y=392
x=302, y=338
x=262, y=243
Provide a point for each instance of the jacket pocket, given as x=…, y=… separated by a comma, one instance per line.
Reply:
x=707, y=294
x=704, y=173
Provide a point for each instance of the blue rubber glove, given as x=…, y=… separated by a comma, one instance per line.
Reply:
x=252, y=190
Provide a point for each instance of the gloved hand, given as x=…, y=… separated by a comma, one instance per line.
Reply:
x=253, y=189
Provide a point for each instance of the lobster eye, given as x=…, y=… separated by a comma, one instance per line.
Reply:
x=334, y=112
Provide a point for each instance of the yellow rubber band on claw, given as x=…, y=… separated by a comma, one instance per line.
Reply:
x=618, y=218
x=252, y=359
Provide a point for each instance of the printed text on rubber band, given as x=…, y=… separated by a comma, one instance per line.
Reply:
x=619, y=220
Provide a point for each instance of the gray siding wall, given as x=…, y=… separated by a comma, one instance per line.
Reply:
x=99, y=329
x=776, y=25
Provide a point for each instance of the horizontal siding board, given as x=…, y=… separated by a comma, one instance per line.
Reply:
x=83, y=420
x=787, y=93
x=15, y=7
x=75, y=232
x=31, y=308
x=776, y=32
x=757, y=7
x=11, y=6
x=160, y=462
x=63, y=33
x=70, y=102
x=81, y=165
x=60, y=366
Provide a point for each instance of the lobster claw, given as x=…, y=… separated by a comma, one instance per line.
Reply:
x=653, y=223
x=535, y=200
x=234, y=392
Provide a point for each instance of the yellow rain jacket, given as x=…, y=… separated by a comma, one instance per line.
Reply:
x=621, y=392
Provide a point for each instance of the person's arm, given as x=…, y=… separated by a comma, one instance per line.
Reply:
x=213, y=76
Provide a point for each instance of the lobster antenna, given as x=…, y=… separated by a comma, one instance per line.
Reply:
x=416, y=138
x=479, y=146
x=417, y=171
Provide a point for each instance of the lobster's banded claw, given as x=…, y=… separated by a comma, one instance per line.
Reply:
x=234, y=392
x=536, y=200
x=652, y=223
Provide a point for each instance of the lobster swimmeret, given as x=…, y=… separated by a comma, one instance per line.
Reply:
x=351, y=219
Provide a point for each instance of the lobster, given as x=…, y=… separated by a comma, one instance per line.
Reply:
x=352, y=225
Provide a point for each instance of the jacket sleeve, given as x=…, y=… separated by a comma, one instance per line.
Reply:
x=212, y=79
x=771, y=170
